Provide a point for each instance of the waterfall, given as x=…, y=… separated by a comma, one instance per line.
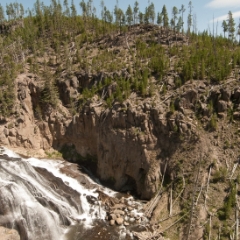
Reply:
x=41, y=198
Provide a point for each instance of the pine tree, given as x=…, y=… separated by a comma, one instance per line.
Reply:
x=141, y=17
x=159, y=19
x=231, y=26
x=129, y=15
x=37, y=8
x=21, y=10
x=151, y=12
x=89, y=8
x=195, y=23
x=49, y=94
x=84, y=9
x=224, y=26
x=146, y=16
x=107, y=15
x=190, y=20
x=66, y=9
x=119, y=17
x=182, y=10
x=165, y=16
x=179, y=24
x=73, y=10
x=102, y=11
x=174, y=14
x=238, y=32
x=10, y=11
x=2, y=17
x=135, y=12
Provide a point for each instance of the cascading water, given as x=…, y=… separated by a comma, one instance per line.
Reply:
x=40, y=200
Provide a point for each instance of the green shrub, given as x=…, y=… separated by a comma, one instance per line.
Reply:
x=220, y=175
x=226, y=211
x=213, y=122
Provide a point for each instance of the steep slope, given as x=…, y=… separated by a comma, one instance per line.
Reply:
x=170, y=133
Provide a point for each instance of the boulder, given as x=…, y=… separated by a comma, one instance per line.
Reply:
x=119, y=221
x=236, y=115
x=8, y=234
x=112, y=216
x=119, y=206
x=236, y=95
x=120, y=212
x=74, y=82
x=225, y=94
x=222, y=106
x=112, y=222
x=187, y=99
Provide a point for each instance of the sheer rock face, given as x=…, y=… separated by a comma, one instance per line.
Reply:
x=122, y=140
x=122, y=149
x=131, y=141
x=126, y=140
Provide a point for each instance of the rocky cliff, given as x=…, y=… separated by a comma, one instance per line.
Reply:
x=136, y=142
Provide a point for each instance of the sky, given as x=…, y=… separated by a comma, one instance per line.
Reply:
x=205, y=10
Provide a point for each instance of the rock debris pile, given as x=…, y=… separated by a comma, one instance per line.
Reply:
x=125, y=211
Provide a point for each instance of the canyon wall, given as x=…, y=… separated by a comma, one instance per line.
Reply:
x=133, y=142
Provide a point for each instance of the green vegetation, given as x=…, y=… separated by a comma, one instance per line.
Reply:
x=230, y=201
x=49, y=40
x=69, y=152
x=213, y=122
x=219, y=175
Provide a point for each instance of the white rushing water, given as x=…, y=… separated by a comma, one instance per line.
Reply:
x=40, y=200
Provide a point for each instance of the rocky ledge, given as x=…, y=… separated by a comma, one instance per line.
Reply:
x=8, y=234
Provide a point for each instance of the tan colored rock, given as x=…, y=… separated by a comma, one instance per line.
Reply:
x=120, y=212
x=119, y=221
x=112, y=222
x=8, y=234
x=112, y=216
x=130, y=208
x=119, y=206
x=222, y=106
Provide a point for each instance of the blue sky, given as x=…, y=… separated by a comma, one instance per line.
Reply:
x=205, y=10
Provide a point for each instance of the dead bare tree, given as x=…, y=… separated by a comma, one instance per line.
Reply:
x=170, y=202
x=233, y=170
x=152, y=204
x=236, y=213
x=165, y=219
x=210, y=227
x=184, y=183
x=193, y=205
x=209, y=174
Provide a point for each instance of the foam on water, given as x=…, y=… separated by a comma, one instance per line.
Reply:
x=28, y=193
x=42, y=202
x=10, y=153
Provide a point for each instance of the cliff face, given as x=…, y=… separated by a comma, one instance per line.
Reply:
x=182, y=145
x=135, y=143
x=131, y=141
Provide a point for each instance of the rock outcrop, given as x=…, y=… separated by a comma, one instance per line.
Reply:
x=9, y=234
x=132, y=141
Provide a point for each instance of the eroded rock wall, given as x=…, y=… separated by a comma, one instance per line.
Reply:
x=132, y=141
x=125, y=139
